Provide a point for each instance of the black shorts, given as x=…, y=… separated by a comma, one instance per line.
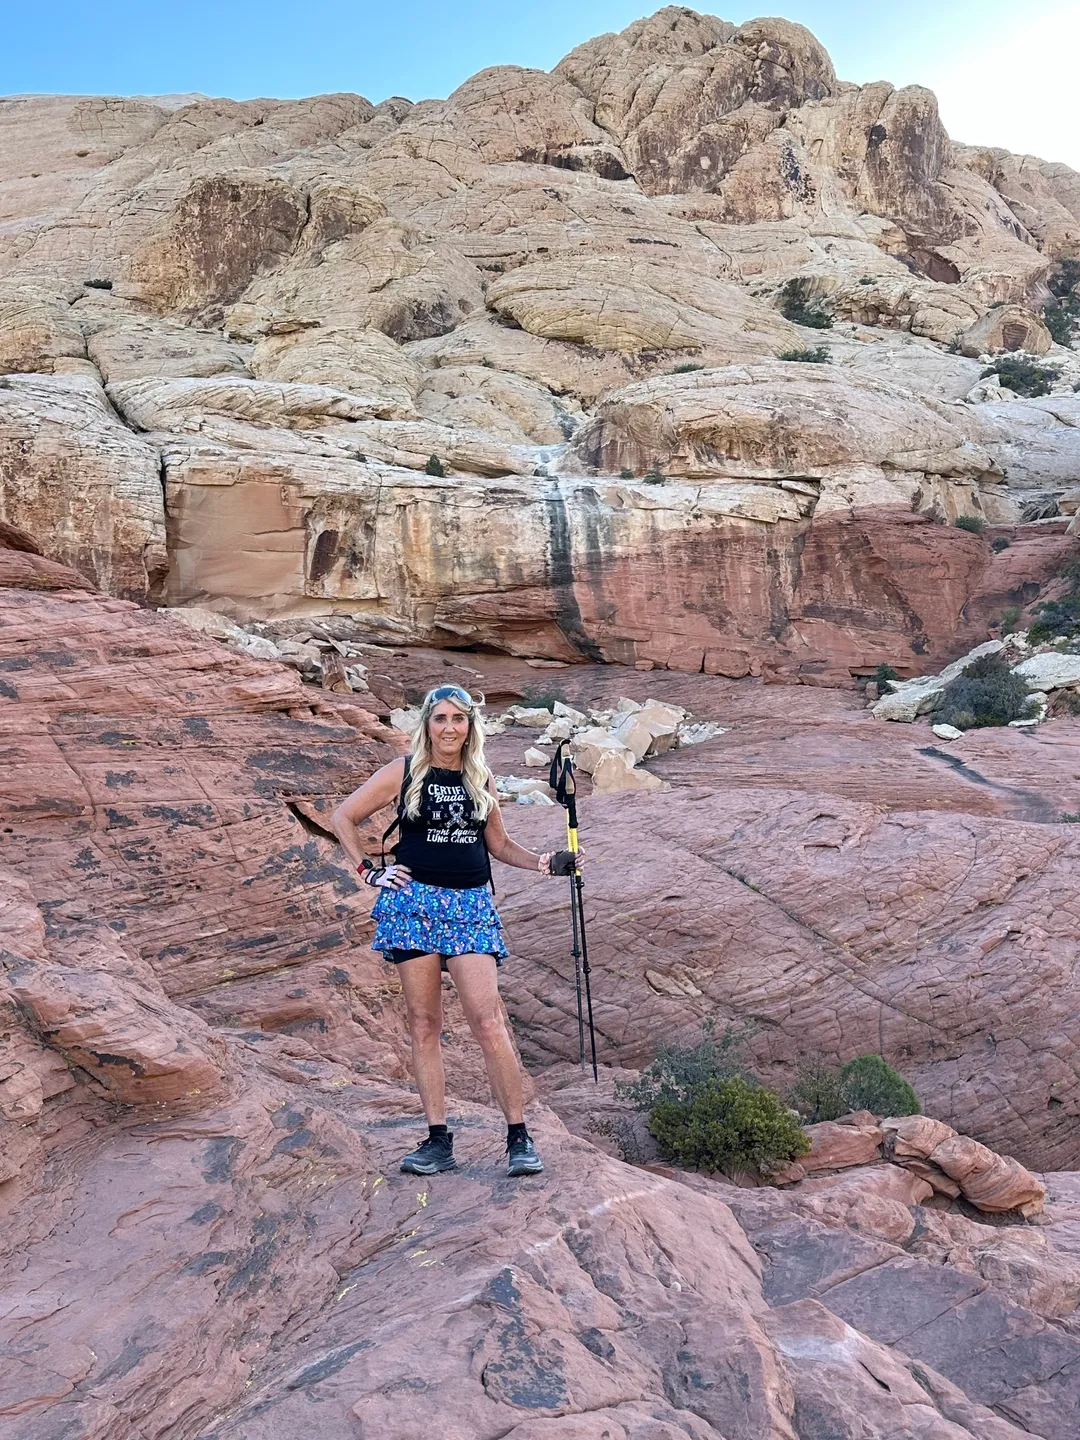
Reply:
x=398, y=957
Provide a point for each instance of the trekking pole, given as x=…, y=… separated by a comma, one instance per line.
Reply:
x=562, y=781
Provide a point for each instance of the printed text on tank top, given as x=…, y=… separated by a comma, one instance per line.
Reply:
x=446, y=812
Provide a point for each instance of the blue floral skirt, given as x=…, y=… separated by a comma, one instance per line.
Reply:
x=435, y=920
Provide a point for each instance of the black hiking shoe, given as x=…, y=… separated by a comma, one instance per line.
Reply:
x=523, y=1157
x=431, y=1157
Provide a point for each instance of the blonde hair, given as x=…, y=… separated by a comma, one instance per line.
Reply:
x=474, y=770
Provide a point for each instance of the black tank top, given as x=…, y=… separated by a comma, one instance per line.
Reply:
x=444, y=845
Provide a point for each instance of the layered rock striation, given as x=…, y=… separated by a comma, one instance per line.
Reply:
x=565, y=295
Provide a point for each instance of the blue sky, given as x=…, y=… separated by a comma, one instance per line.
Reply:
x=1005, y=73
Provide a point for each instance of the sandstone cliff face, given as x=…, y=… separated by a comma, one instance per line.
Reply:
x=312, y=298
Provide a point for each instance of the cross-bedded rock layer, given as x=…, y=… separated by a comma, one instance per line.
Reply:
x=293, y=306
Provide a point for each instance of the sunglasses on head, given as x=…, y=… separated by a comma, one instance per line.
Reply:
x=451, y=692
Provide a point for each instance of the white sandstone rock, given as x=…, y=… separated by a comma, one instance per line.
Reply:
x=535, y=758
x=535, y=716
x=1052, y=670
x=589, y=746
x=947, y=732
x=405, y=720
x=559, y=729
x=650, y=730
x=523, y=791
x=695, y=732
x=614, y=771
x=567, y=712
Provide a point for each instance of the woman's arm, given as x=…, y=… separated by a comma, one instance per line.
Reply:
x=382, y=789
x=501, y=847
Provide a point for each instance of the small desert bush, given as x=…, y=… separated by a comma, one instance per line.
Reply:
x=883, y=674
x=796, y=306
x=986, y=693
x=973, y=523
x=685, y=369
x=822, y=1092
x=1060, y=617
x=1056, y=618
x=728, y=1125
x=435, y=466
x=818, y=355
x=537, y=699
x=653, y=477
x=1060, y=318
x=1069, y=817
x=626, y=473
x=1062, y=314
x=1010, y=619
x=998, y=544
x=869, y=1083
x=1064, y=278
x=1023, y=376
x=679, y=1070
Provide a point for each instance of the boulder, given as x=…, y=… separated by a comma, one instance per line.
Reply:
x=1006, y=327
x=614, y=770
x=534, y=758
x=39, y=330
x=589, y=745
x=991, y=1182
x=1050, y=670
x=834, y=1147
x=70, y=470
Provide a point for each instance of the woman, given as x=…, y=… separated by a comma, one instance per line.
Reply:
x=434, y=911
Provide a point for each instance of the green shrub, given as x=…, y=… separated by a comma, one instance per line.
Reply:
x=866, y=280
x=1056, y=618
x=819, y=355
x=1064, y=278
x=1061, y=616
x=796, y=306
x=986, y=693
x=626, y=473
x=998, y=544
x=1060, y=318
x=680, y=1070
x=435, y=466
x=973, y=523
x=1010, y=619
x=1023, y=376
x=537, y=699
x=816, y=1092
x=869, y=1083
x=1069, y=817
x=685, y=369
x=728, y=1125
x=98, y=284
x=883, y=674
x=653, y=477
x=821, y=1092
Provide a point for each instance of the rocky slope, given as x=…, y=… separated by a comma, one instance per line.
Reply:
x=232, y=336
x=203, y=1093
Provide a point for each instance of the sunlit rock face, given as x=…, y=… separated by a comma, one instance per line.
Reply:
x=506, y=368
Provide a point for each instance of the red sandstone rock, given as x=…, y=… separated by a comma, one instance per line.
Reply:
x=833, y=1146
x=247, y=1262
x=991, y=1182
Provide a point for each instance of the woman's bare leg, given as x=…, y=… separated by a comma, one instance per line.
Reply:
x=421, y=981
x=476, y=979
